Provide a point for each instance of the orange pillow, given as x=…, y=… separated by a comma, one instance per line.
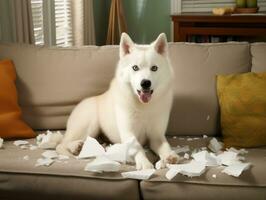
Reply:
x=11, y=123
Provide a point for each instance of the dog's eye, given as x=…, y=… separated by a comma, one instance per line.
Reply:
x=135, y=68
x=154, y=68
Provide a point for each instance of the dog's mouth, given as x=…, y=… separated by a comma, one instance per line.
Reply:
x=145, y=95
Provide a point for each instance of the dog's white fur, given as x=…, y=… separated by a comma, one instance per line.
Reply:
x=120, y=114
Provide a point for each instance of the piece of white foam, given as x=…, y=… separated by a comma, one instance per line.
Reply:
x=214, y=176
x=191, y=169
x=205, y=136
x=215, y=146
x=91, y=148
x=236, y=169
x=50, y=154
x=1, y=142
x=20, y=142
x=49, y=140
x=144, y=174
x=44, y=162
x=102, y=164
x=205, y=157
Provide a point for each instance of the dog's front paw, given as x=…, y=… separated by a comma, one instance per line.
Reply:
x=172, y=158
x=75, y=147
x=143, y=164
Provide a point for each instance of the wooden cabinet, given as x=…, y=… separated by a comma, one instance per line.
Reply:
x=208, y=24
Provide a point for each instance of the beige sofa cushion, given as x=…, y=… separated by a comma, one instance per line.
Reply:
x=51, y=81
x=258, y=53
x=195, y=109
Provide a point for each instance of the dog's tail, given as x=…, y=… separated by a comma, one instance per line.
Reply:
x=62, y=150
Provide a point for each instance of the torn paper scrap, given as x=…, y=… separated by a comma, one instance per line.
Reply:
x=240, y=151
x=206, y=158
x=124, y=152
x=49, y=140
x=208, y=118
x=214, y=176
x=1, y=142
x=236, y=169
x=50, y=154
x=160, y=164
x=91, y=148
x=102, y=164
x=63, y=157
x=44, y=162
x=186, y=156
x=215, y=146
x=228, y=158
x=172, y=172
x=23, y=146
x=191, y=169
x=33, y=147
x=144, y=174
x=26, y=157
x=205, y=136
x=20, y=142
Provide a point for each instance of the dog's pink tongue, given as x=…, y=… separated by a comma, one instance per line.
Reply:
x=145, y=97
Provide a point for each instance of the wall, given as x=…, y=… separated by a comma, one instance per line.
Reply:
x=146, y=19
x=5, y=21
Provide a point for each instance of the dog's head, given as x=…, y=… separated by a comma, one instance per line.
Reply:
x=145, y=68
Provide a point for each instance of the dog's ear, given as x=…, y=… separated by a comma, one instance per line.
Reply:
x=160, y=44
x=126, y=45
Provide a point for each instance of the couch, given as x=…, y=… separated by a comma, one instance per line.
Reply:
x=51, y=81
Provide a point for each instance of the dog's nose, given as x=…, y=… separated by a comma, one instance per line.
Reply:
x=145, y=84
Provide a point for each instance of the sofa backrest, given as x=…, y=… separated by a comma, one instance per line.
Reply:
x=258, y=54
x=51, y=81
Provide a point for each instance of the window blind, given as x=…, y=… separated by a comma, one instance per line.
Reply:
x=63, y=23
x=37, y=16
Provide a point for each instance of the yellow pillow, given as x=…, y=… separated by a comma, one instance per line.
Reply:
x=242, y=99
x=11, y=124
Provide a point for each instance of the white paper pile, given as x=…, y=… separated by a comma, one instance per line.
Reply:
x=208, y=159
x=191, y=169
x=215, y=146
x=1, y=142
x=103, y=164
x=49, y=140
x=236, y=169
x=139, y=175
x=118, y=152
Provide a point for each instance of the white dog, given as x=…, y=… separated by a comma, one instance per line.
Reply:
x=137, y=104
